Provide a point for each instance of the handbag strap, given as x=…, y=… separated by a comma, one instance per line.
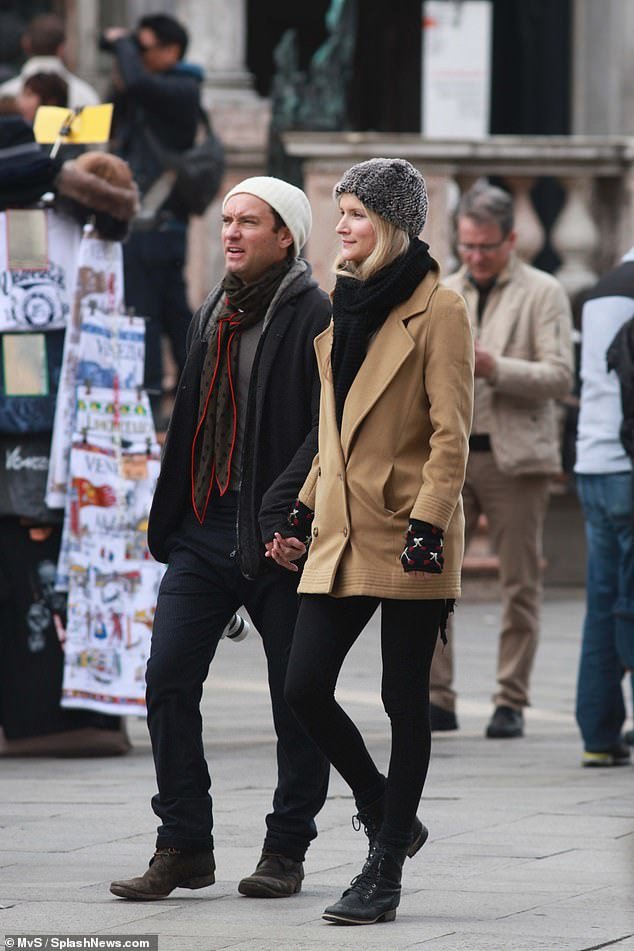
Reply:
x=161, y=188
x=169, y=160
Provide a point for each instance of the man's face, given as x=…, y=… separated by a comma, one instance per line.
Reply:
x=483, y=248
x=28, y=103
x=156, y=57
x=250, y=244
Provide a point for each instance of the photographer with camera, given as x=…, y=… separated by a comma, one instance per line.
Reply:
x=157, y=110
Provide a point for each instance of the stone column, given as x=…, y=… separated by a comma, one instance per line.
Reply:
x=218, y=32
x=82, y=30
x=240, y=117
x=603, y=68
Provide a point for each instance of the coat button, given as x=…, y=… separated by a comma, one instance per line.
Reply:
x=345, y=532
x=315, y=532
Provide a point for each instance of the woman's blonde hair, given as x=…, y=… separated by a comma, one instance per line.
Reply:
x=391, y=243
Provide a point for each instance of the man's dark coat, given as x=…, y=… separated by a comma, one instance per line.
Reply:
x=280, y=437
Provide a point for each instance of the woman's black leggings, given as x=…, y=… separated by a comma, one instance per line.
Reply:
x=326, y=630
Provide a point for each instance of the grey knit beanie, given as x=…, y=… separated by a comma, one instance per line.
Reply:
x=392, y=188
x=288, y=201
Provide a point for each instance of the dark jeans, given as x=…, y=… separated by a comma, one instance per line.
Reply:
x=200, y=591
x=607, y=648
x=326, y=630
x=154, y=285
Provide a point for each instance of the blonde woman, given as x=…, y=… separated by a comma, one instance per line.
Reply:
x=382, y=507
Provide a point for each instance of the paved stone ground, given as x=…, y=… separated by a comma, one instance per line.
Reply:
x=528, y=852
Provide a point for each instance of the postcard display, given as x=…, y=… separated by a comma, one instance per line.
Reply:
x=38, y=258
x=103, y=469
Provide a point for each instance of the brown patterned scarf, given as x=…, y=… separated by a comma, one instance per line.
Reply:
x=214, y=440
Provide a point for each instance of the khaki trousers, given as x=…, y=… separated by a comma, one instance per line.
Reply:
x=515, y=507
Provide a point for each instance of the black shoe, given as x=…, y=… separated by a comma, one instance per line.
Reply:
x=442, y=720
x=506, y=723
x=629, y=737
x=275, y=876
x=617, y=755
x=371, y=825
x=169, y=869
x=373, y=895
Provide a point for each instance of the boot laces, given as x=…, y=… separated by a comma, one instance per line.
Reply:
x=366, y=882
x=369, y=825
x=164, y=851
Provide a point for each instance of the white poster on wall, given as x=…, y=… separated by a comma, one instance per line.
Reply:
x=456, y=68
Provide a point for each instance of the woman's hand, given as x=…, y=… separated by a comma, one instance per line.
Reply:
x=423, y=552
x=285, y=551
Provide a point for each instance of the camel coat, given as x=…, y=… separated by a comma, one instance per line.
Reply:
x=401, y=453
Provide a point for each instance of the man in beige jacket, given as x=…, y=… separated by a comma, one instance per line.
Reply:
x=43, y=43
x=523, y=362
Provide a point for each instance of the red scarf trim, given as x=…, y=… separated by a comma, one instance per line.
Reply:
x=233, y=326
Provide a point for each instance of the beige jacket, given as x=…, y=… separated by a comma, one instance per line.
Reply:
x=401, y=453
x=526, y=325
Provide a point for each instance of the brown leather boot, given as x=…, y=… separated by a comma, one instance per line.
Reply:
x=169, y=869
x=275, y=876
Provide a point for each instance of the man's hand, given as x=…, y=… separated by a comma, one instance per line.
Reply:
x=484, y=362
x=114, y=33
x=285, y=551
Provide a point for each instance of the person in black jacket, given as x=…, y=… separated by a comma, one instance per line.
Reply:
x=157, y=106
x=238, y=450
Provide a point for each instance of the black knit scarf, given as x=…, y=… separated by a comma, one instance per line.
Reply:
x=244, y=306
x=359, y=308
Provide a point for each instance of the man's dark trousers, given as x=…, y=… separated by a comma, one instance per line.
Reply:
x=201, y=589
x=153, y=264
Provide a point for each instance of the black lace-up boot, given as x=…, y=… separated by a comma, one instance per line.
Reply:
x=375, y=893
x=370, y=819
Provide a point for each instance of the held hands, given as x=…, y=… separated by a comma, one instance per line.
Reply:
x=285, y=551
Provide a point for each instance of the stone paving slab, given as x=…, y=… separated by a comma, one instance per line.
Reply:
x=528, y=852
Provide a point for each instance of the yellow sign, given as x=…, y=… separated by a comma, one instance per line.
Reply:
x=85, y=126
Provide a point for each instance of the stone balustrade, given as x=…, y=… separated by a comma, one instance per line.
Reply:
x=594, y=227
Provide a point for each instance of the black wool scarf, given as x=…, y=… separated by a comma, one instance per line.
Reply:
x=360, y=308
x=244, y=306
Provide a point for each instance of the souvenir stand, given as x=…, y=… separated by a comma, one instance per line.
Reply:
x=71, y=362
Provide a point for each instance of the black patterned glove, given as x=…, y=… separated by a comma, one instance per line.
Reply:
x=300, y=520
x=423, y=548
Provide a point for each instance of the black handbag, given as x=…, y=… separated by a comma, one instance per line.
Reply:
x=193, y=176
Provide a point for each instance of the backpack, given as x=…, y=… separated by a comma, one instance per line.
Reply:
x=620, y=358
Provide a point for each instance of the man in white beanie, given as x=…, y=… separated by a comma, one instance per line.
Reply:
x=240, y=443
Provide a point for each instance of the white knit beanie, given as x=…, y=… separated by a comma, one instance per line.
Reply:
x=288, y=201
